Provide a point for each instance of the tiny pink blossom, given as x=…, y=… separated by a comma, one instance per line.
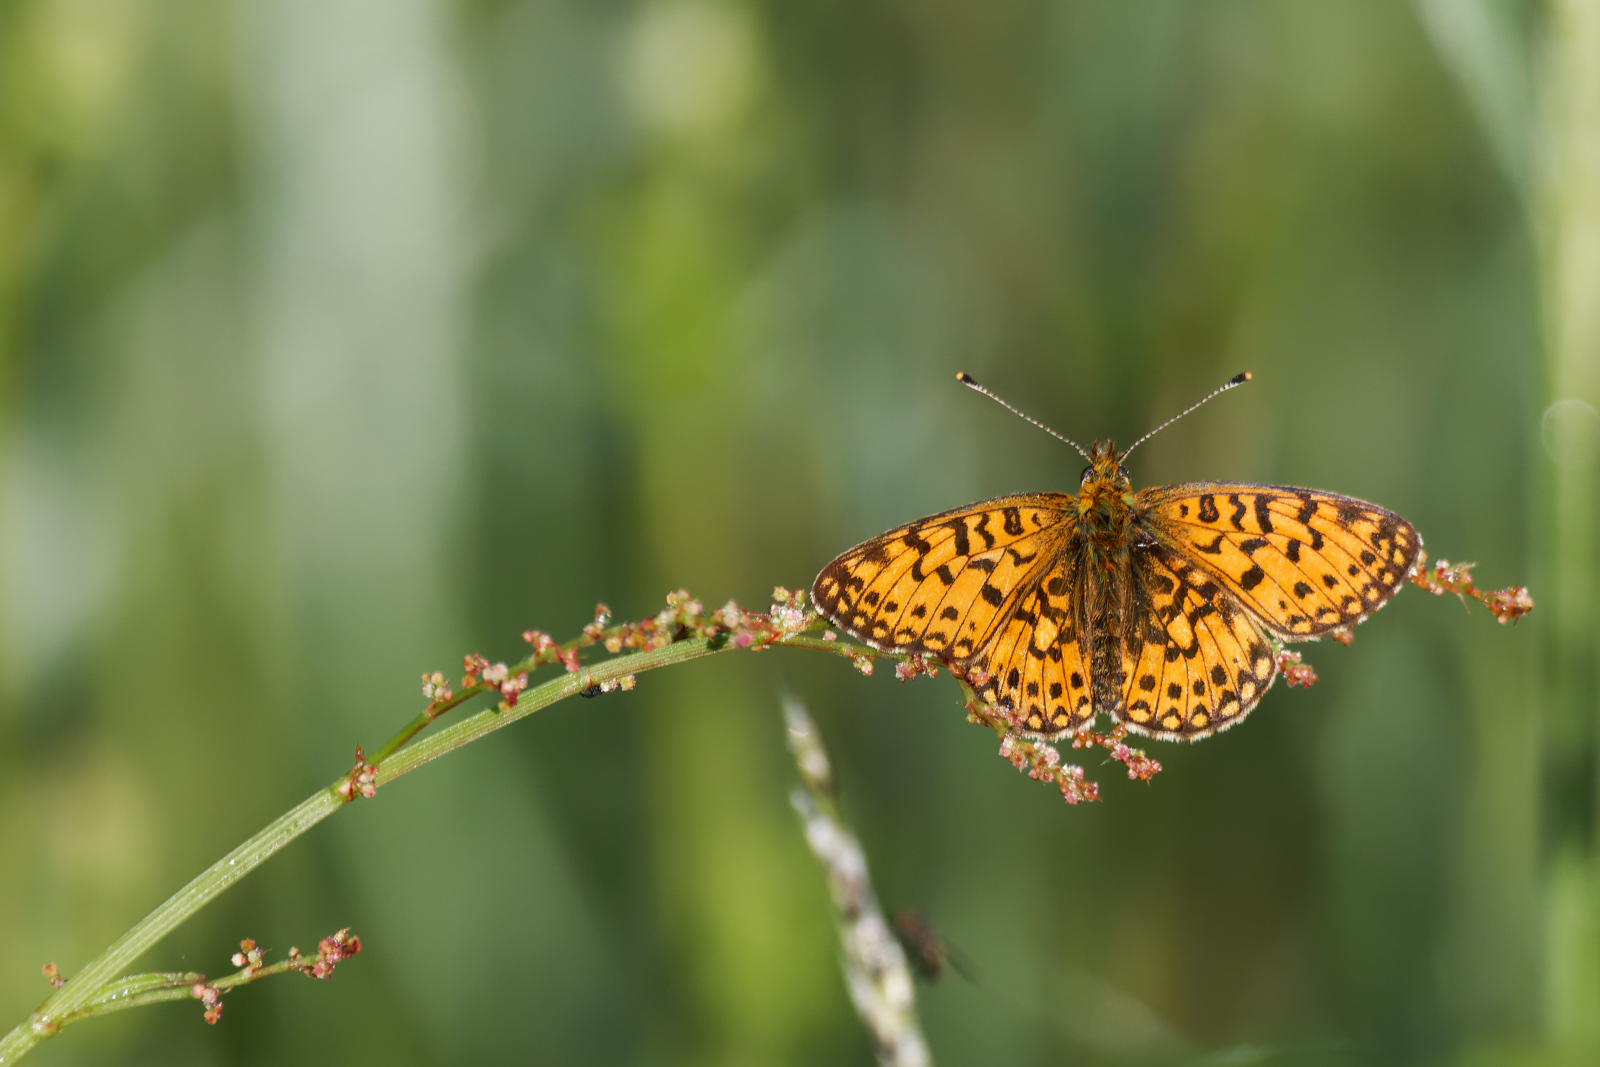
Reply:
x=510, y=688
x=542, y=643
x=602, y=619
x=362, y=779
x=1507, y=605
x=1295, y=671
x=1510, y=604
x=435, y=688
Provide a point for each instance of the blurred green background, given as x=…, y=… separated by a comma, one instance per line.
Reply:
x=339, y=338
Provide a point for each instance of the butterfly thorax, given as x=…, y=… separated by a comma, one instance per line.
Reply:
x=1105, y=506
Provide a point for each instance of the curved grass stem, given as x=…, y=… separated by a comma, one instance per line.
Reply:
x=676, y=636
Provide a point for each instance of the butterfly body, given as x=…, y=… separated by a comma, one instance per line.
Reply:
x=1158, y=608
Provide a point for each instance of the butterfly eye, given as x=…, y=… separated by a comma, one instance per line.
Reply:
x=1122, y=472
x=1088, y=472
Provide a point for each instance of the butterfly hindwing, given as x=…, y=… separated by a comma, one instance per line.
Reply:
x=1303, y=562
x=943, y=585
x=1193, y=661
x=1038, y=665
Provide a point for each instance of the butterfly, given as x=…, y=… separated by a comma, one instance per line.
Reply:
x=1163, y=609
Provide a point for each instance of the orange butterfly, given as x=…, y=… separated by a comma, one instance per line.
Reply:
x=1160, y=608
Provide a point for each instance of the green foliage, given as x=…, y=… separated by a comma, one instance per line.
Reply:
x=338, y=339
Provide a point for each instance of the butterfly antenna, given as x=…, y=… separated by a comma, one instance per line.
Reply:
x=972, y=383
x=1237, y=379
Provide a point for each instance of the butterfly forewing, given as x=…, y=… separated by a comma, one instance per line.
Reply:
x=945, y=584
x=1193, y=661
x=1038, y=665
x=1304, y=562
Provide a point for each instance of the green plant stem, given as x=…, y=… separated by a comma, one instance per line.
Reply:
x=68, y=1002
x=433, y=711
x=136, y=991
x=86, y=993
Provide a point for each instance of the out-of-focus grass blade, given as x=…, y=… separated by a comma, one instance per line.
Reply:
x=1486, y=48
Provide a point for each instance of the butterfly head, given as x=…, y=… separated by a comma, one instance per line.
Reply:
x=1105, y=474
x=1105, y=498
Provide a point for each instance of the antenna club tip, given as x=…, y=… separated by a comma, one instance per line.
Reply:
x=965, y=379
x=1240, y=379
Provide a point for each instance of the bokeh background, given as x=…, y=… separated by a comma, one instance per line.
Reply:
x=341, y=337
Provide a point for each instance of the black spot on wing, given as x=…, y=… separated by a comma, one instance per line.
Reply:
x=982, y=530
x=959, y=528
x=1263, y=516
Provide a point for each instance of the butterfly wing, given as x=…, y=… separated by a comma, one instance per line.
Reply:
x=1303, y=562
x=1193, y=660
x=944, y=585
x=1038, y=665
